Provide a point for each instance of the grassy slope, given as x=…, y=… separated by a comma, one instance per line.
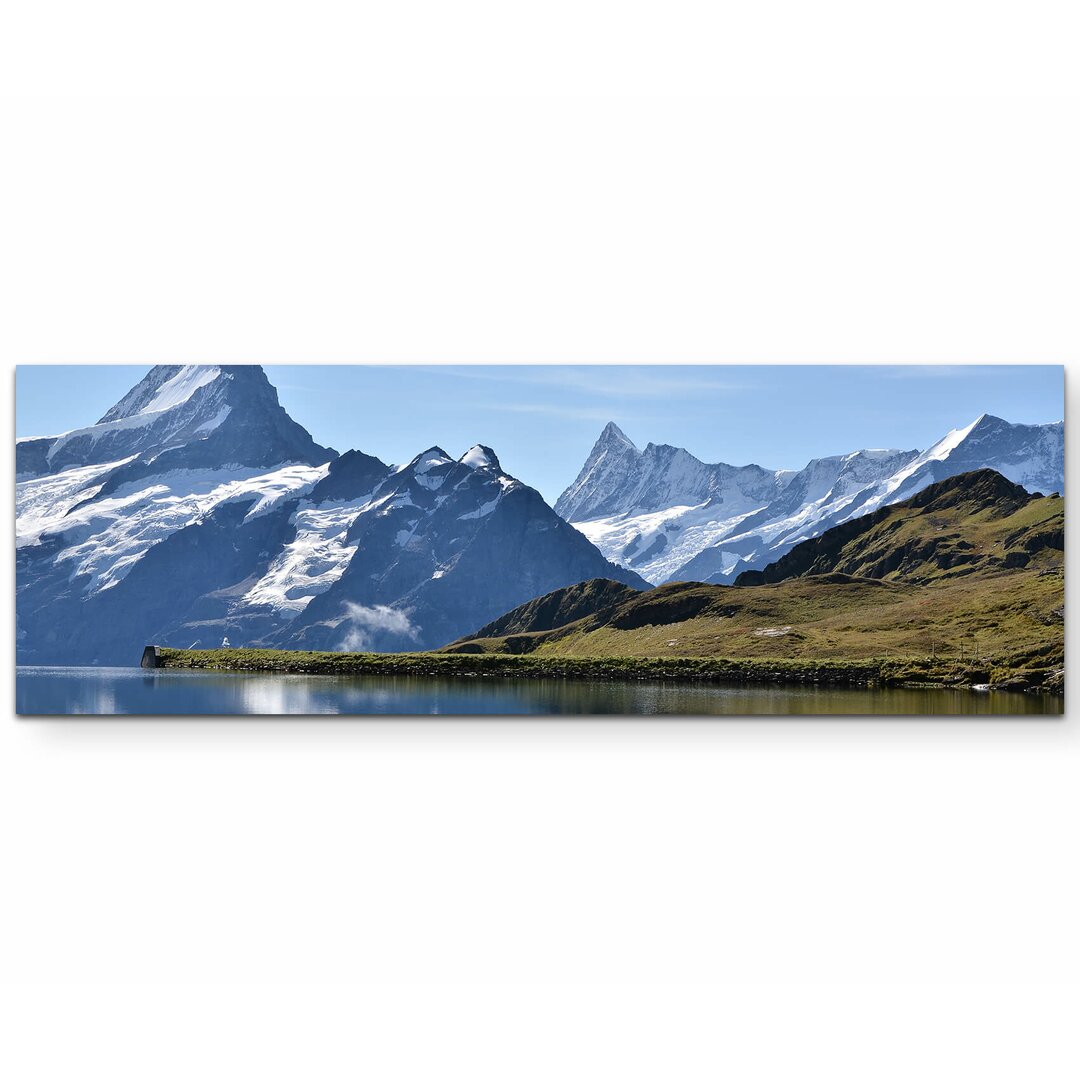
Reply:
x=949, y=589
x=558, y=608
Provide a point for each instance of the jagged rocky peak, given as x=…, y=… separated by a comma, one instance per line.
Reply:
x=191, y=416
x=613, y=435
x=612, y=460
x=618, y=478
x=434, y=470
x=611, y=448
x=472, y=484
x=428, y=469
x=433, y=455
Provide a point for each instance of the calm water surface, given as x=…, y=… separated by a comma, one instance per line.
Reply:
x=133, y=691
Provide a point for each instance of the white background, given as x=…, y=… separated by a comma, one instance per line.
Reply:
x=573, y=182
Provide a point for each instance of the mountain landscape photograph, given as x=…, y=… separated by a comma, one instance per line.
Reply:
x=592, y=539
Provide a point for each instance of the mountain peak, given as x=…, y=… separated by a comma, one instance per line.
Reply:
x=612, y=433
x=352, y=474
x=988, y=420
x=188, y=415
x=480, y=457
x=602, y=475
x=429, y=458
x=164, y=387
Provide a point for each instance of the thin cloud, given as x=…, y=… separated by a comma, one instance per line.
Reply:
x=598, y=414
x=600, y=379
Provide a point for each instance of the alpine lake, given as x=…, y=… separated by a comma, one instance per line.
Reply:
x=133, y=691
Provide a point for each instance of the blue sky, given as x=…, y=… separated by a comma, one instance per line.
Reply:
x=543, y=420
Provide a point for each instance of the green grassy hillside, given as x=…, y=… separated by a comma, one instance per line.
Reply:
x=969, y=573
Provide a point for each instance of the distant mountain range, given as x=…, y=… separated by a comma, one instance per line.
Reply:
x=197, y=510
x=667, y=515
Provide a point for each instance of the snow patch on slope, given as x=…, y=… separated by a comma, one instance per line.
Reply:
x=42, y=503
x=481, y=511
x=181, y=386
x=169, y=395
x=311, y=562
x=479, y=457
x=215, y=421
x=105, y=538
x=673, y=536
x=940, y=451
x=430, y=459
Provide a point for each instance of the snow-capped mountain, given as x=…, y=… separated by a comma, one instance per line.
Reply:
x=619, y=478
x=671, y=517
x=440, y=540
x=182, y=416
x=197, y=509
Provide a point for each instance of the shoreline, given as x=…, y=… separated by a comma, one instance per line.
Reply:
x=871, y=672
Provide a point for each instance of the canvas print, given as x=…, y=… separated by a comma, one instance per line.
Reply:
x=544, y=539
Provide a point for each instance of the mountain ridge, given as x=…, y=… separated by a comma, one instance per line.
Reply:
x=711, y=522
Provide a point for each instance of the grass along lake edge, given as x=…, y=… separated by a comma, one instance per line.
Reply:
x=1039, y=674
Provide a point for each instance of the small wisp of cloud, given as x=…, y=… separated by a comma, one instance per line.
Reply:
x=366, y=622
x=649, y=381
